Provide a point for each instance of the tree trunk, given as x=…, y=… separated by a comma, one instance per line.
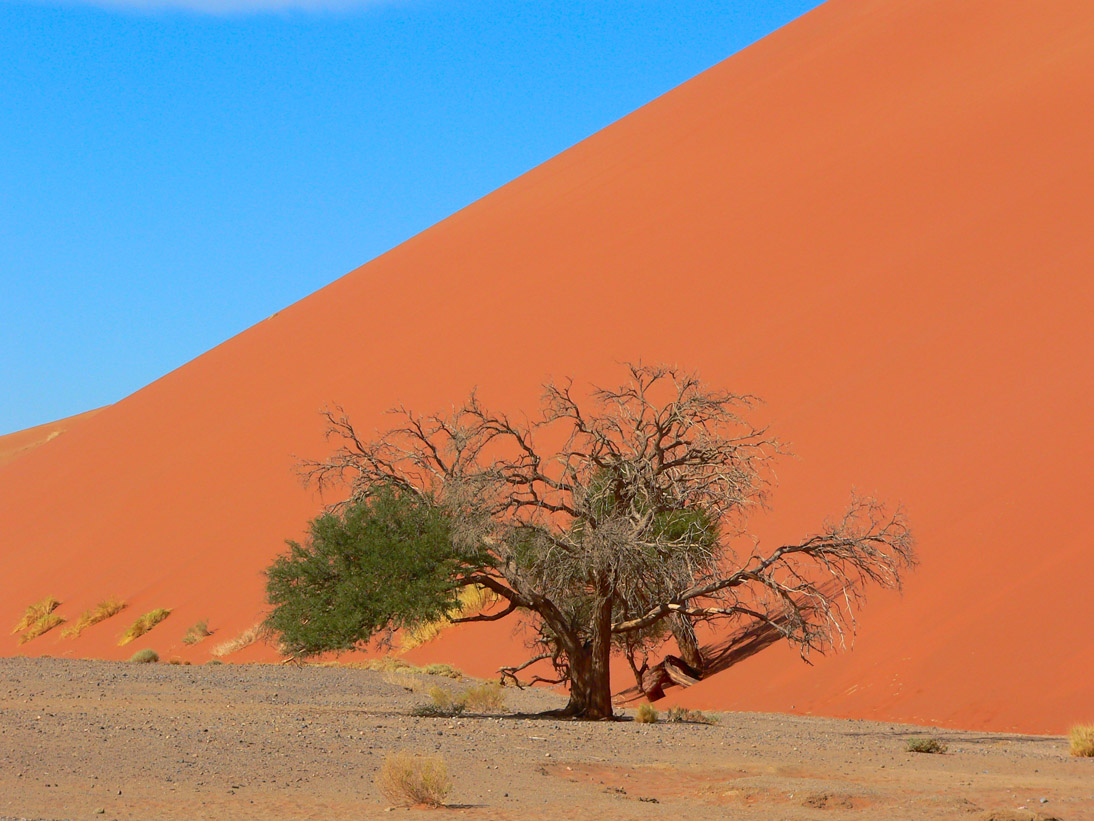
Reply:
x=590, y=675
x=684, y=633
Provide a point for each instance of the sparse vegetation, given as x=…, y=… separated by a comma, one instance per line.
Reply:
x=618, y=540
x=411, y=682
x=1081, y=740
x=646, y=714
x=484, y=698
x=145, y=656
x=213, y=661
x=197, y=632
x=392, y=664
x=36, y=612
x=682, y=715
x=441, y=705
x=446, y=670
x=43, y=625
x=244, y=639
x=143, y=624
x=925, y=745
x=488, y=697
x=406, y=780
x=100, y=612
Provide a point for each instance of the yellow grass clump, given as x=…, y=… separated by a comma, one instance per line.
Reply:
x=446, y=670
x=646, y=714
x=391, y=664
x=473, y=599
x=484, y=698
x=682, y=715
x=101, y=612
x=197, y=632
x=143, y=624
x=1081, y=740
x=481, y=698
x=43, y=625
x=244, y=639
x=145, y=657
x=36, y=612
x=406, y=780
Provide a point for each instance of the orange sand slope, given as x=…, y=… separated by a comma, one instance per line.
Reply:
x=14, y=445
x=879, y=219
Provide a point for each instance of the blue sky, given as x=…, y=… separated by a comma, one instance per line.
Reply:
x=173, y=171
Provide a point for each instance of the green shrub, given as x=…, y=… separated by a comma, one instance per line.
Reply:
x=925, y=745
x=145, y=657
x=646, y=714
x=336, y=589
x=143, y=624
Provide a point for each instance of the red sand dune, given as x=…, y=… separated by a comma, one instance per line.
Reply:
x=878, y=218
x=14, y=445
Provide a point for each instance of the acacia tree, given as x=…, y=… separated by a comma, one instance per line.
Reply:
x=614, y=524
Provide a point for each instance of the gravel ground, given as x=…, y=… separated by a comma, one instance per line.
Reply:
x=88, y=739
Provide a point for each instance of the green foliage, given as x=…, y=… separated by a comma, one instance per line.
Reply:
x=925, y=745
x=380, y=563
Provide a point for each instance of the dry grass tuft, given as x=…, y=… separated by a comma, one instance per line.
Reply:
x=1081, y=740
x=441, y=705
x=925, y=745
x=36, y=612
x=384, y=664
x=43, y=625
x=145, y=657
x=406, y=780
x=446, y=670
x=682, y=715
x=101, y=612
x=646, y=714
x=244, y=639
x=143, y=624
x=197, y=632
x=407, y=680
x=473, y=599
x=484, y=698
x=391, y=664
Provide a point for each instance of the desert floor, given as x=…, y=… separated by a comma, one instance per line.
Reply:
x=85, y=739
